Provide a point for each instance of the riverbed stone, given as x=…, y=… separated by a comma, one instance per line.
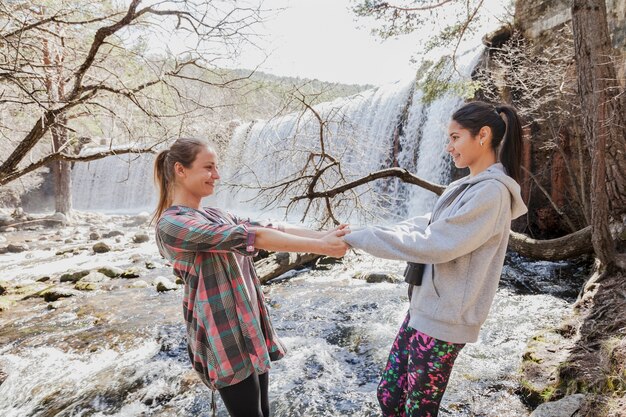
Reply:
x=111, y=271
x=86, y=286
x=565, y=407
x=139, y=283
x=94, y=276
x=55, y=293
x=94, y=236
x=101, y=247
x=5, y=220
x=112, y=233
x=376, y=277
x=73, y=276
x=130, y=273
x=17, y=247
x=164, y=284
x=141, y=237
x=3, y=250
x=59, y=217
x=3, y=287
x=137, y=258
x=43, y=279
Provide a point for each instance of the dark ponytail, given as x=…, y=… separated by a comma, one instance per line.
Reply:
x=183, y=150
x=505, y=126
x=511, y=151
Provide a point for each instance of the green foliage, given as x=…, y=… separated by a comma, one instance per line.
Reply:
x=439, y=82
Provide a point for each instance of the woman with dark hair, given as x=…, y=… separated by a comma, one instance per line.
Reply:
x=230, y=338
x=461, y=245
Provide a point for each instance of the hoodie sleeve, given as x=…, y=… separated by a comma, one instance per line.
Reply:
x=445, y=239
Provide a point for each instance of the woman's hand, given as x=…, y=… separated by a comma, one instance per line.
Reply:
x=333, y=245
x=343, y=226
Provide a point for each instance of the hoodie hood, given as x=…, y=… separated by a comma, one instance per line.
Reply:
x=498, y=172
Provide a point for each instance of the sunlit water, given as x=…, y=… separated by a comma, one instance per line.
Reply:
x=122, y=351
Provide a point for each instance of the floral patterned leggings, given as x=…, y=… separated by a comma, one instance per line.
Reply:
x=416, y=374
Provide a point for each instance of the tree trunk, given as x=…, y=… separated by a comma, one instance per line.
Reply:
x=601, y=109
x=61, y=173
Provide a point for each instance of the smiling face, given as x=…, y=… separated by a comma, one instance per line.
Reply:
x=465, y=149
x=199, y=179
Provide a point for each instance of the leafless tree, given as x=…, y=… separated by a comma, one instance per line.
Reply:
x=73, y=69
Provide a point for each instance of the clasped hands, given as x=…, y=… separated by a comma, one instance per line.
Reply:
x=334, y=244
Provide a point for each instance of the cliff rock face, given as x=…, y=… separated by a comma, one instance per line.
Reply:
x=538, y=19
x=535, y=70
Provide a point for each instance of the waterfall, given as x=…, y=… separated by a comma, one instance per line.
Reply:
x=115, y=184
x=380, y=128
x=383, y=127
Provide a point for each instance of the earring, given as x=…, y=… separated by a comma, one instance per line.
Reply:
x=481, y=143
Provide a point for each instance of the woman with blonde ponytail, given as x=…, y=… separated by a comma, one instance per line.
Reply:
x=231, y=340
x=461, y=246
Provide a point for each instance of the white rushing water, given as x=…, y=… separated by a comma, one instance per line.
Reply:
x=122, y=352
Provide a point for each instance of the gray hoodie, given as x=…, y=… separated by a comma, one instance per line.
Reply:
x=465, y=244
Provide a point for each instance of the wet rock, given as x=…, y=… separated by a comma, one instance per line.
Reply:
x=3, y=288
x=164, y=284
x=69, y=240
x=139, y=283
x=17, y=247
x=101, y=247
x=111, y=271
x=43, y=238
x=130, y=273
x=86, y=286
x=5, y=304
x=141, y=237
x=137, y=258
x=329, y=260
x=6, y=220
x=73, y=276
x=55, y=293
x=59, y=217
x=138, y=220
x=150, y=265
x=565, y=407
x=3, y=250
x=112, y=233
x=94, y=276
x=179, y=281
x=94, y=236
x=376, y=277
x=43, y=279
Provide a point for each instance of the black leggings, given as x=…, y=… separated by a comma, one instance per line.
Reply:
x=247, y=398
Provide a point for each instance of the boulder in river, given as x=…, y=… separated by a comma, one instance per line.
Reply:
x=17, y=247
x=112, y=233
x=101, y=247
x=565, y=407
x=139, y=283
x=54, y=293
x=111, y=271
x=376, y=277
x=130, y=273
x=94, y=236
x=164, y=284
x=141, y=237
x=73, y=276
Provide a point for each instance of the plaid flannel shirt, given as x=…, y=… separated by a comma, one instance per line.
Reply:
x=226, y=340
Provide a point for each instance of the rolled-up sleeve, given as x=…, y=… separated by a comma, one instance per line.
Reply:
x=185, y=233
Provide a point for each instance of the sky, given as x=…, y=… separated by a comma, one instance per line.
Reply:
x=320, y=39
x=324, y=40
